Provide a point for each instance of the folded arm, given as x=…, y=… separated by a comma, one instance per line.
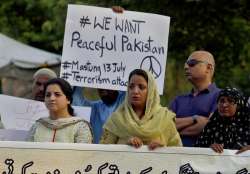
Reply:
x=184, y=122
x=195, y=129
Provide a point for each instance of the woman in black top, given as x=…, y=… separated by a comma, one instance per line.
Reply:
x=229, y=126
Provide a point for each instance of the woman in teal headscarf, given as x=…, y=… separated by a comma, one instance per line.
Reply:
x=141, y=119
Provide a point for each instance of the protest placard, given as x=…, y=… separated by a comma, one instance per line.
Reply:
x=19, y=113
x=13, y=135
x=102, y=47
x=65, y=158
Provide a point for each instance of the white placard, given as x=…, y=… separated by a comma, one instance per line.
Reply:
x=13, y=135
x=19, y=113
x=65, y=158
x=102, y=47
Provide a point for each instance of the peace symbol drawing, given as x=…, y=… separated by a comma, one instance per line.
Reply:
x=151, y=64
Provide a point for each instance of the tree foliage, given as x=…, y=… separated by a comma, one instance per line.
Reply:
x=222, y=27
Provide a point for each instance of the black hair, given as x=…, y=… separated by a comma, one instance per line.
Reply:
x=139, y=72
x=66, y=89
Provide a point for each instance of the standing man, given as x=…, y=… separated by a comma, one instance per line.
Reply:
x=100, y=109
x=40, y=77
x=193, y=109
x=103, y=108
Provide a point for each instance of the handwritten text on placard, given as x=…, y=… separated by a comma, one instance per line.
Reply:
x=65, y=158
x=101, y=47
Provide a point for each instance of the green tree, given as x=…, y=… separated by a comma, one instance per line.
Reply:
x=221, y=27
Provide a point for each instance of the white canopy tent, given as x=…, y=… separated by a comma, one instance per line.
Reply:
x=24, y=56
x=18, y=62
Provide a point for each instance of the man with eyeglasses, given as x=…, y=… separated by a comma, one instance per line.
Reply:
x=193, y=109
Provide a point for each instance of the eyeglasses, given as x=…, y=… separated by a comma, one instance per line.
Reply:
x=193, y=62
x=228, y=101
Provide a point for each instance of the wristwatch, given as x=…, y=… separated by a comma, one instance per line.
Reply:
x=194, y=117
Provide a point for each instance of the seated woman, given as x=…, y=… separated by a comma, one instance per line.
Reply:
x=60, y=126
x=141, y=120
x=228, y=127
